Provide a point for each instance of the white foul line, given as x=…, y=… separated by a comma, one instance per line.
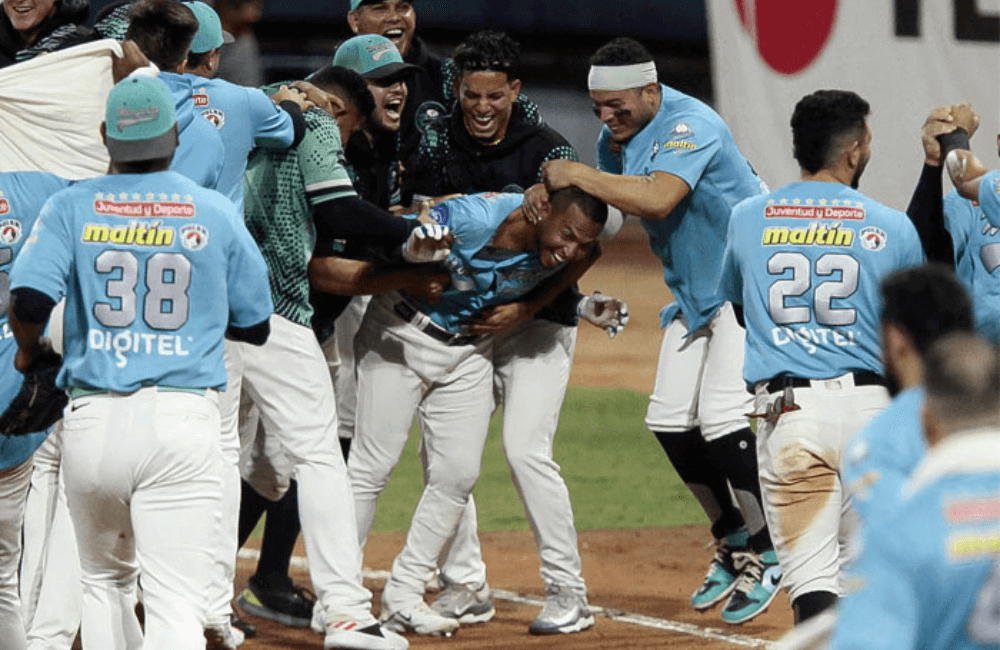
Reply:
x=666, y=625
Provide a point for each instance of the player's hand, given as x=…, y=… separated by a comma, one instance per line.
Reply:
x=557, y=174
x=429, y=285
x=430, y=242
x=500, y=318
x=610, y=314
x=131, y=60
x=939, y=122
x=536, y=203
x=295, y=95
x=332, y=104
x=964, y=117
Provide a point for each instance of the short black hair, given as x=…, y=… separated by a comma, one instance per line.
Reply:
x=344, y=81
x=824, y=120
x=962, y=381
x=927, y=302
x=488, y=51
x=594, y=208
x=195, y=59
x=621, y=51
x=163, y=30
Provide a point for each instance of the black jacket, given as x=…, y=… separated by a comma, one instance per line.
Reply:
x=425, y=97
x=64, y=29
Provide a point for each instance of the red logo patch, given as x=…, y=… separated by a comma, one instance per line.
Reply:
x=200, y=98
x=790, y=34
x=4, y=206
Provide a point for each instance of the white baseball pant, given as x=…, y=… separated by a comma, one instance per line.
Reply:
x=51, y=594
x=804, y=500
x=14, y=482
x=143, y=486
x=699, y=378
x=288, y=381
x=402, y=370
x=345, y=380
x=531, y=368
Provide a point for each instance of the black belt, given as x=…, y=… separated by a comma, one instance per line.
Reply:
x=411, y=315
x=863, y=378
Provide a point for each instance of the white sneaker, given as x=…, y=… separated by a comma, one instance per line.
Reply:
x=565, y=612
x=345, y=633
x=465, y=604
x=420, y=619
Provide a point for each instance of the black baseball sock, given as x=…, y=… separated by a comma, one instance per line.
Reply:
x=692, y=459
x=736, y=454
x=811, y=604
x=281, y=530
x=252, y=506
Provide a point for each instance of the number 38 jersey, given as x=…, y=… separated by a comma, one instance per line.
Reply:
x=805, y=262
x=154, y=268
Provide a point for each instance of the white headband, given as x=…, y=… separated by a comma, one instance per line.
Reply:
x=621, y=77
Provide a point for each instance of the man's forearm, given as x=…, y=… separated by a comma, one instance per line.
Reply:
x=649, y=197
x=356, y=278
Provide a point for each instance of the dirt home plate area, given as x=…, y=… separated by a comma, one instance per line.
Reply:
x=639, y=580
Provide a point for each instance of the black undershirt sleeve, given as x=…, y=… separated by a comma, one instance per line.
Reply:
x=298, y=120
x=31, y=306
x=926, y=211
x=254, y=335
x=355, y=220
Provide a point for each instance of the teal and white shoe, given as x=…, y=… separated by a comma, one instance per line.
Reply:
x=722, y=573
x=758, y=584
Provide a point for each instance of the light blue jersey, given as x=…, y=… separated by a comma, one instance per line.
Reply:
x=689, y=140
x=246, y=118
x=482, y=276
x=22, y=195
x=989, y=197
x=154, y=268
x=806, y=262
x=930, y=577
x=881, y=458
x=200, y=154
x=977, y=260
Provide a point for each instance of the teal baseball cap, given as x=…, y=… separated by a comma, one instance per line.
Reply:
x=357, y=3
x=210, y=33
x=140, y=118
x=372, y=56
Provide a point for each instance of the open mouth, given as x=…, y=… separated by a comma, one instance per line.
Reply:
x=394, y=109
x=395, y=34
x=558, y=258
x=483, y=122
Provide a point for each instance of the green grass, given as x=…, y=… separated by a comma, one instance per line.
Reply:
x=618, y=476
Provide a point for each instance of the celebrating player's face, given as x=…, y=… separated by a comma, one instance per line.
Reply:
x=624, y=112
x=27, y=15
x=394, y=19
x=390, y=98
x=487, y=100
x=566, y=236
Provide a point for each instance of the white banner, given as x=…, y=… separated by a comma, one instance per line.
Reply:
x=902, y=56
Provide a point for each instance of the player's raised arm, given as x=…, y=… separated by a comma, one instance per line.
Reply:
x=964, y=168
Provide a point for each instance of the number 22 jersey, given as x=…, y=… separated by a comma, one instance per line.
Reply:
x=806, y=262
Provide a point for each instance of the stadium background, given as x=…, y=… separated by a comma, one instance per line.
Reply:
x=751, y=59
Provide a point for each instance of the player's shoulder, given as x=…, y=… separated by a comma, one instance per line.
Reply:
x=955, y=202
x=321, y=127
x=687, y=116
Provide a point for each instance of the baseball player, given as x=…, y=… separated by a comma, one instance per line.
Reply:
x=494, y=140
x=446, y=373
x=22, y=195
x=671, y=160
x=805, y=263
x=930, y=577
x=155, y=271
x=164, y=30
x=298, y=200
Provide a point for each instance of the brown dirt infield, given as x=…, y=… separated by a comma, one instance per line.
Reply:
x=649, y=571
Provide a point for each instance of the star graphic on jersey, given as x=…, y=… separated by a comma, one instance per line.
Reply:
x=188, y=198
x=136, y=197
x=150, y=196
x=809, y=201
x=860, y=204
x=822, y=201
x=99, y=196
x=770, y=201
x=176, y=197
x=163, y=197
x=835, y=202
x=123, y=196
x=796, y=201
x=783, y=201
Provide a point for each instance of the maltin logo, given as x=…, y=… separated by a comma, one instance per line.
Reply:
x=790, y=34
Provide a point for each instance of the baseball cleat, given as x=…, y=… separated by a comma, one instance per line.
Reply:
x=346, y=633
x=758, y=584
x=420, y=619
x=285, y=603
x=720, y=580
x=565, y=612
x=465, y=604
x=222, y=636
